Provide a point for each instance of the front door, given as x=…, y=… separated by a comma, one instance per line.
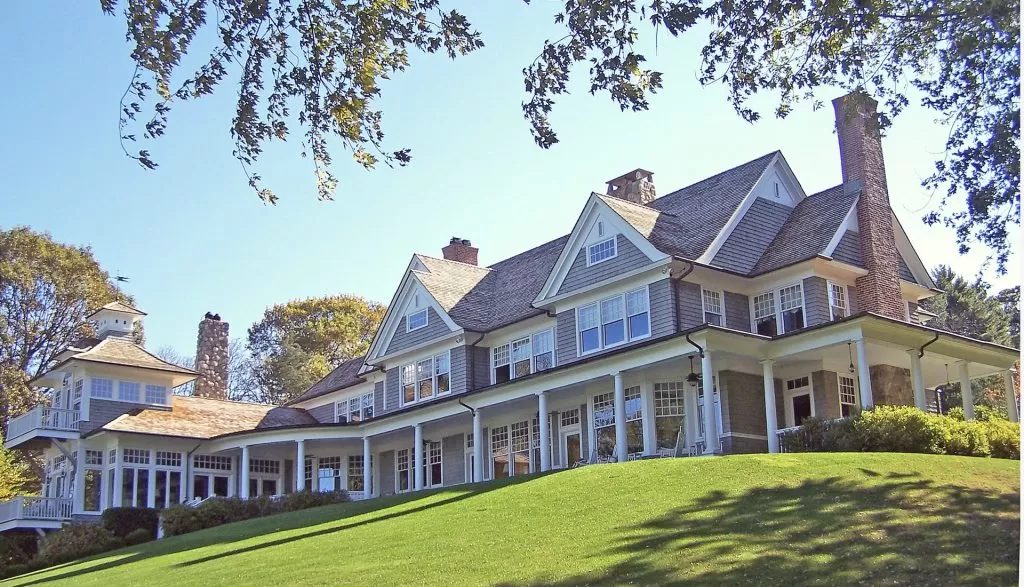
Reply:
x=798, y=401
x=801, y=408
x=572, y=447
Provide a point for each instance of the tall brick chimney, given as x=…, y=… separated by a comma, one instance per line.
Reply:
x=461, y=250
x=212, y=358
x=637, y=186
x=860, y=149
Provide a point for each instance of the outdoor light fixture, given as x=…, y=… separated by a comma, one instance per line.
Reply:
x=692, y=378
x=849, y=348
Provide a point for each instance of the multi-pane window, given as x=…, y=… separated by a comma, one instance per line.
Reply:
x=838, y=306
x=77, y=394
x=797, y=383
x=356, y=409
x=212, y=462
x=713, y=313
x=520, y=448
x=604, y=422
x=779, y=311
x=427, y=378
x=613, y=321
x=156, y=394
x=523, y=356
x=847, y=396
x=168, y=458
x=402, y=481
x=355, y=473
x=102, y=388
x=329, y=473
x=112, y=455
x=307, y=474
x=128, y=391
x=416, y=320
x=601, y=251
x=94, y=457
x=265, y=466
x=669, y=414
x=500, y=452
x=432, y=473
x=136, y=456
x=571, y=417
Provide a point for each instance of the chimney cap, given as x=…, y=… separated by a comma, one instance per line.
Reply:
x=636, y=174
x=460, y=241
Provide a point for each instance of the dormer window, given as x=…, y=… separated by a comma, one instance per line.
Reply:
x=416, y=320
x=601, y=251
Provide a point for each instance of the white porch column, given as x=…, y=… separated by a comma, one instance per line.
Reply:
x=118, y=477
x=867, y=401
x=770, y=415
x=78, y=497
x=1011, y=397
x=367, y=469
x=151, y=481
x=917, y=378
x=478, y=447
x=692, y=417
x=300, y=465
x=650, y=432
x=966, y=393
x=711, y=438
x=243, y=474
x=417, y=451
x=545, y=431
x=621, y=446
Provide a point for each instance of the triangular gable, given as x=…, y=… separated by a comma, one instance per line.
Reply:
x=908, y=254
x=777, y=184
x=597, y=222
x=410, y=295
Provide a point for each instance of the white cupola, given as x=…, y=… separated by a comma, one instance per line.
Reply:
x=115, y=319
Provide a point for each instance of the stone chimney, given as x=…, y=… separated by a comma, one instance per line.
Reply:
x=212, y=358
x=860, y=149
x=461, y=250
x=637, y=186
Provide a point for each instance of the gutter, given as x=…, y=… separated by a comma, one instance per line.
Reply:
x=675, y=281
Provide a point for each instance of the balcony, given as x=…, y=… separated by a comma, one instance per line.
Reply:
x=42, y=422
x=35, y=512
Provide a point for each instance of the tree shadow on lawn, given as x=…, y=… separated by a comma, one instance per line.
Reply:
x=894, y=528
x=295, y=520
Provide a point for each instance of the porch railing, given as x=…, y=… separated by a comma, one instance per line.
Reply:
x=43, y=418
x=36, y=508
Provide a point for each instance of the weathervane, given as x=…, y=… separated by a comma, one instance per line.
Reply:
x=118, y=278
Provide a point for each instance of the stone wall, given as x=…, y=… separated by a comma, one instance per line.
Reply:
x=212, y=359
x=826, y=394
x=891, y=386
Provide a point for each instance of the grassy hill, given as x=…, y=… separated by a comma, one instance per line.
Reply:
x=793, y=519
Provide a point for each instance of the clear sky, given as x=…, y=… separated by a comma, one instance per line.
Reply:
x=192, y=236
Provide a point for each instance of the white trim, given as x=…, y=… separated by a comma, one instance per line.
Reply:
x=848, y=221
x=408, y=319
x=721, y=302
x=625, y=322
x=789, y=394
x=409, y=286
x=434, y=393
x=584, y=295
x=777, y=302
x=529, y=336
x=613, y=239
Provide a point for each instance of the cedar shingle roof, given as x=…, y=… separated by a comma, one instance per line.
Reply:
x=344, y=375
x=808, y=230
x=116, y=350
x=118, y=307
x=195, y=417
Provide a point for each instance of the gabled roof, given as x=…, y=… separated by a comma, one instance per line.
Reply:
x=344, y=375
x=808, y=230
x=117, y=307
x=195, y=417
x=117, y=350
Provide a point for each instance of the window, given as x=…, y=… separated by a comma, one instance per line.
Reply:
x=613, y=321
x=523, y=356
x=93, y=490
x=847, y=396
x=355, y=473
x=265, y=466
x=78, y=389
x=779, y=311
x=212, y=462
x=307, y=474
x=103, y=388
x=500, y=452
x=427, y=378
x=543, y=350
x=502, y=367
x=156, y=394
x=94, y=457
x=329, y=474
x=604, y=422
x=402, y=481
x=797, y=383
x=713, y=313
x=168, y=459
x=570, y=417
x=669, y=414
x=416, y=320
x=601, y=251
x=356, y=409
x=433, y=468
x=136, y=456
x=128, y=391
x=112, y=455
x=837, y=301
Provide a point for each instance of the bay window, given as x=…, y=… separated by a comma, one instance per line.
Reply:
x=779, y=311
x=425, y=379
x=838, y=306
x=101, y=388
x=523, y=356
x=616, y=320
x=128, y=391
x=712, y=302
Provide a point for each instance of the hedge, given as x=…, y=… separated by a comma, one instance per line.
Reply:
x=906, y=429
x=75, y=541
x=122, y=521
x=182, y=519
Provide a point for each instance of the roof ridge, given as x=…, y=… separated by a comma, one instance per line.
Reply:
x=721, y=173
x=229, y=401
x=143, y=349
x=606, y=197
x=451, y=261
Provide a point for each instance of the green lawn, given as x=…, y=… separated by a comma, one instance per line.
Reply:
x=785, y=519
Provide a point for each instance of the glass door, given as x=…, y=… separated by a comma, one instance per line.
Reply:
x=572, y=447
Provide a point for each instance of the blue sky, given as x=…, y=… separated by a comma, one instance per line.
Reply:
x=192, y=236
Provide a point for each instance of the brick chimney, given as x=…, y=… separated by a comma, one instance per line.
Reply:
x=212, y=358
x=461, y=250
x=637, y=186
x=860, y=149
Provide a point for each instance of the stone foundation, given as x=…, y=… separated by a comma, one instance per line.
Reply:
x=891, y=386
x=732, y=445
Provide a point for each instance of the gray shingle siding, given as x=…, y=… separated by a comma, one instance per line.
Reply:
x=323, y=414
x=851, y=291
x=378, y=397
x=402, y=340
x=688, y=304
x=816, y=301
x=663, y=318
x=628, y=258
x=453, y=459
x=386, y=474
x=480, y=366
x=848, y=249
x=458, y=369
x=391, y=390
x=102, y=411
x=905, y=273
x=737, y=311
x=565, y=327
x=752, y=235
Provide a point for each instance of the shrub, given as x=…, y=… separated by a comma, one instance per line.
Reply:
x=966, y=439
x=138, y=536
x=123, y=521
x=898, y=429
x=182, y=519
x=303, y=500
x=1003, y=439
x=75, y=541
x=982, y=413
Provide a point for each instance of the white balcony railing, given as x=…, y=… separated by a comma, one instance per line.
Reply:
x=42, y=418
x=36, y=508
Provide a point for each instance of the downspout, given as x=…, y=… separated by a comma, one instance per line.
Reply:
x=472, y=365
x=675, y=292
x=920, y=351
x=699, y=348
x=471, y=410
